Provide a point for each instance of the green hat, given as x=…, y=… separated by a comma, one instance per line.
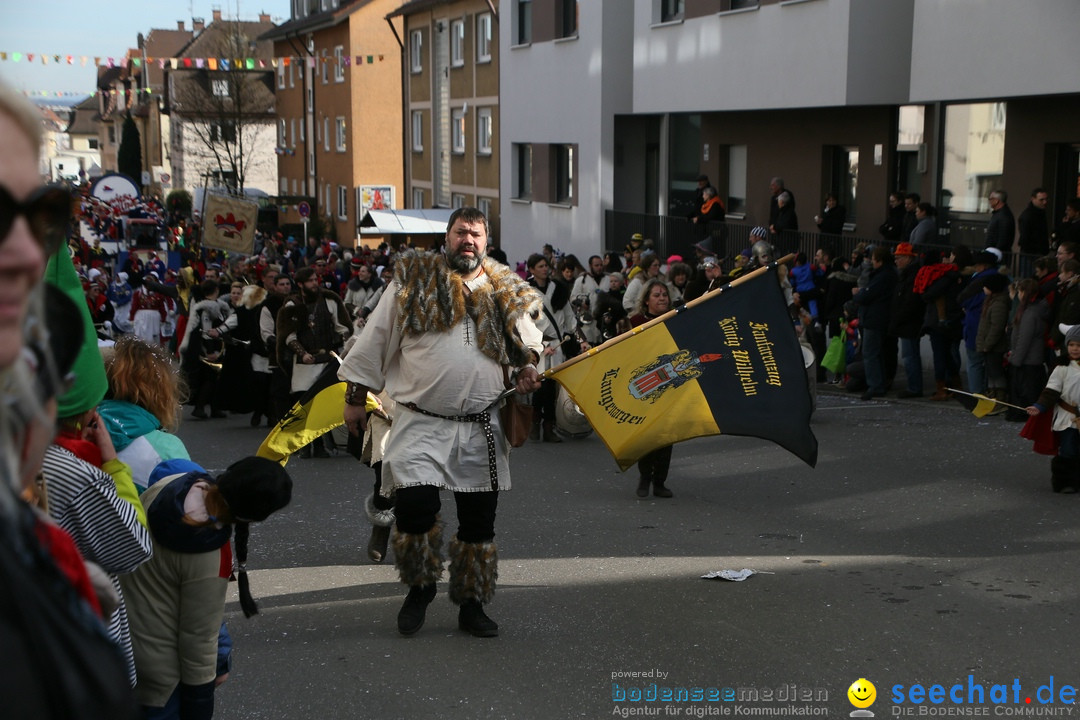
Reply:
x=90, y=381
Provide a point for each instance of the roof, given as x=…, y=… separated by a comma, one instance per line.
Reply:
x=407, y=222
x=315, y=21
x=414, y=6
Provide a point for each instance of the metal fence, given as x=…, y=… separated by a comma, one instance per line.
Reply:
x=677, y=236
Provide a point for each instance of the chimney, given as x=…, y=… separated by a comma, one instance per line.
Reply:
x=264, y=17
x=217, y=14
x=180, y=25
x=197, y=25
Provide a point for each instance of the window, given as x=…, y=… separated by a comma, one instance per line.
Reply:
x=843, y=176
x=93, y=143
x=563, y=156
x=342, y=202
x=671, y=10
x=281, y=75
x=302, y=122
x=339, y=64
x=325, y=66
x=339, y=134
x=523, y=171
x=457, y=201
x=292, y=74
x=483, y=131
x=524, y=22
x=484, y=206
x=418, y=131
x=283, y=186
x=281, y=133
x=457, y=43
x=326, y=134
x=112, y=134
x=292, y=132
x=969, y=173
x=416, y=57
x=736, y=179
x=220, y=88
x=310, y=98
x=483, y=37
x=568, y=18
x=457, y=127
x=738, y=5
x=417, y=198
x=223, y=132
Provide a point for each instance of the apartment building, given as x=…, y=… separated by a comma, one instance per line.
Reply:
x=451, y=104
x=339, y=122
x=617, y=106
x=220, y=100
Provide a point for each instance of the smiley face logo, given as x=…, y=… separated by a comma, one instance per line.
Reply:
x=862, y=693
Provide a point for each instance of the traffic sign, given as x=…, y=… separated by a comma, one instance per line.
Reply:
x=303, y=208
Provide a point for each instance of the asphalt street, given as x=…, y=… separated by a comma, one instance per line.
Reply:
x=925, y=549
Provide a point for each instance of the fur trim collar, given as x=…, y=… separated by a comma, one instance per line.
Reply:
x=431, y=298
x=252, y=296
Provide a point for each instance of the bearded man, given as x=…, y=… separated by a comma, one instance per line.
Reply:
x=444, y=332
x=312, y=324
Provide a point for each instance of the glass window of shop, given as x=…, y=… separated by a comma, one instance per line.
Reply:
x=974, y=155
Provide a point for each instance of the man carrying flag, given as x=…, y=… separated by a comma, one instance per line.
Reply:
x=446, y=329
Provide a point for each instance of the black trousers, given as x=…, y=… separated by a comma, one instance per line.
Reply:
x=417, y=507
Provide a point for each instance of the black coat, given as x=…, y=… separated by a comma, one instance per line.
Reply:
x=1034, y=231
x=908, y=309
x=875, y=300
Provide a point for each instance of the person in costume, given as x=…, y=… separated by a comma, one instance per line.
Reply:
x=439, y=342
x=653, y=467
x=1062, y=396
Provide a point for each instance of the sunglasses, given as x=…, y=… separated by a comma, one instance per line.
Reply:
x=48, y=210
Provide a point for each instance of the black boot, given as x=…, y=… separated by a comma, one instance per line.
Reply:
x=418, y=559
x=1061, y=472
x=643, y=486
x=411, y=616
x=474, y=568
x=549, y=433
x=661, y=463
x=471, y=619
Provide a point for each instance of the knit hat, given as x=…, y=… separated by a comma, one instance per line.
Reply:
x=1072, y=333
x=995, y=252
x=89, y=369
x=255, y=488
x=905, y=249
x=996, y=282
x=356, y=263
x=759, y=232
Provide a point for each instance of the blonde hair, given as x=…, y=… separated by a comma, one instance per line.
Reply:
x=144, y=375
x=24, y=113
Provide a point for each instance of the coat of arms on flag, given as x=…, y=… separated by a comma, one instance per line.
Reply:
x=727, y=363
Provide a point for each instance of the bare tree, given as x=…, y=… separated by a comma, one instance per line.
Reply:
x=225, y=106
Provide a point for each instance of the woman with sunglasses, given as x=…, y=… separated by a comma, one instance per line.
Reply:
x=58, y=659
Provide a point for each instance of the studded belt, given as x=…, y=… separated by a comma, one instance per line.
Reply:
x=484, y=418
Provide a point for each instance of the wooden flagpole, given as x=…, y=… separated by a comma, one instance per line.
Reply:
x=669, y=314
x=984, y=397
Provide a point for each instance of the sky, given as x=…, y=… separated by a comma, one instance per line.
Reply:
x=97, y=28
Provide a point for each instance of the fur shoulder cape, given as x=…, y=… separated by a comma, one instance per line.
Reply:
x=431, y=298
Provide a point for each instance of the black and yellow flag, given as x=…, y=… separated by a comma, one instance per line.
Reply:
x=318, y=411
x=728, y=362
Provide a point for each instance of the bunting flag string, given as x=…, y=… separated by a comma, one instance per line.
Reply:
x=198, y=63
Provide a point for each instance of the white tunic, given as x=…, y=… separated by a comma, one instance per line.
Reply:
x=1066, y=380
x=444, y=373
